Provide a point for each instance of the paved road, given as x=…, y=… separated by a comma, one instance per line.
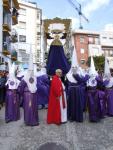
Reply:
x=72, y=136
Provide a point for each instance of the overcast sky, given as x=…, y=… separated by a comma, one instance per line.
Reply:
x=99, y=12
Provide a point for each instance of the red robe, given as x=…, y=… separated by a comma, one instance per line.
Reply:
x=54, y=111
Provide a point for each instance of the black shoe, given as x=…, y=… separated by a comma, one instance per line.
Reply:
x=7, y=121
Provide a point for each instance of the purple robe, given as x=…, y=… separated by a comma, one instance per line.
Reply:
x=75, y=103
x=57, y=60
x=108, y=98
x=81, y=81
x=12, y=109
x=43, y=86
x=109, y=101
x=20, y=95
x=94, y=107
x=29, y=105
x=101, y=94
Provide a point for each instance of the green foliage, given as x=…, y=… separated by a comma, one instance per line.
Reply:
x=99, y=62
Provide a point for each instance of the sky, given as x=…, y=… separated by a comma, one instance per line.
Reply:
x=98, y=12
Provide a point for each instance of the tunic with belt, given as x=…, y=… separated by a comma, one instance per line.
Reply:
x=12, y=107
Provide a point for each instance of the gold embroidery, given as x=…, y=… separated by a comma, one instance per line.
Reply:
x=56, y=42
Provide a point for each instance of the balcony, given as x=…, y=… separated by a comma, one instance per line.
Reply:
x=15, y=16
x=5, y=49
x=14, y=36
x=6, y=24
x=6, y=5
x=14, y=55
x=6, y=30
x=16, y=4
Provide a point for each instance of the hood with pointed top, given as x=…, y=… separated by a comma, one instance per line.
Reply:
x=92, y=70
x=106, y=68
x=74, y=61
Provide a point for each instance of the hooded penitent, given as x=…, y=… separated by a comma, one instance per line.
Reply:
x=21, y=71
x=74, y=65
x=106, y=68
x=92, y=70
x=92, y=73
x=107, y=74
x=29, y=77
x=12, y=82
x=57, y=58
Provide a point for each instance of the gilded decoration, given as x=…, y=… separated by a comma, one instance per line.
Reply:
x=65, y=22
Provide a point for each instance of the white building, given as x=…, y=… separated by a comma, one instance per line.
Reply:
x=1, y=20
x=29, y=32
x=106, y=39
x=8, y=18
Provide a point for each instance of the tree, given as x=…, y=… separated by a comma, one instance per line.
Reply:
x=99, y=62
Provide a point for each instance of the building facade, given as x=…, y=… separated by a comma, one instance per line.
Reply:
x=9, y=17
x=87, y=44
x=29, y=32
x=106, y=38
x=1, y=20
x=90, y=43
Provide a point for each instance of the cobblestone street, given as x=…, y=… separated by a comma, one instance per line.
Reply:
x=70, y=136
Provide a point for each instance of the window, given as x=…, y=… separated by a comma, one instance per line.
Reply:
x=90, y=40
x=82, y=61
x=2, y=59
x=38, y=33
x=106, y=52
x=82, y=50
x=22, y=38
x=81, y=39
x=111, y=52
x=104, y=37
x=96, y=40
x=38, y=38
x=22, y=11
x=22, y=25
x=38, y=43
x=111, y=39
x=22, y=51
x=38, y=16
x=95, y=51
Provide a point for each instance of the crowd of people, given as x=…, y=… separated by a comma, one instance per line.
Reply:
x=79, y=92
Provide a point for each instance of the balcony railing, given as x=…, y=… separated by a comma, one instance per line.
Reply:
x=5, y=49
x=16, y=4
x=14, y=36
x=6, y=23
x=14, y=55
x=6, y=5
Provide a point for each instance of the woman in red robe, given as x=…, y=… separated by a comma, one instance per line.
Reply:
x=57, y=108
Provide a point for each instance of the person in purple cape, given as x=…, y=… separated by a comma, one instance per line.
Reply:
x=108, y=79
x=20, y=72
x=93, y=100
x=56, y=57
x=75, y=92
x=81, y=78
x=12, y=110
x=29, y=90
x=74, y=99
x=101, y=93
x=43, y=86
